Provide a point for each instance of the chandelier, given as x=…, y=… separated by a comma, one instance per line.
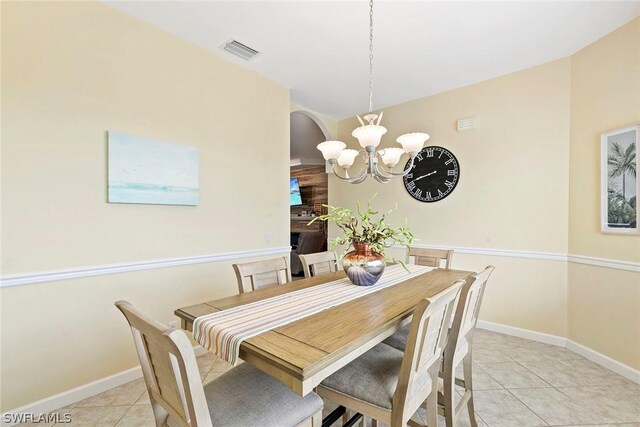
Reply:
x=369, y=136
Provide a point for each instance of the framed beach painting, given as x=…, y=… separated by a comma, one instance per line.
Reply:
x=145, y=171
x=620, y=184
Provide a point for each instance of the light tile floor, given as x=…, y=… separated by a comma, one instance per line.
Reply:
x=518, y=383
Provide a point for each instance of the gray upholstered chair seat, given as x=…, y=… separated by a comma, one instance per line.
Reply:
x=399, y=339
x=372, y=377
x=247, y=397
x=399, y=342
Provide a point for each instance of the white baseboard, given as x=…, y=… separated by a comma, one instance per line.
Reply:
x=523, y=333
x=68, y=397
x=586, y=352
x=603, y=360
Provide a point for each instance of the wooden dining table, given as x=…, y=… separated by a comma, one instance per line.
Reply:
x=303, y=353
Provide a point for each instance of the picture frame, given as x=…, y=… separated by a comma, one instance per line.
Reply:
x=620, y=183
x=151, y=172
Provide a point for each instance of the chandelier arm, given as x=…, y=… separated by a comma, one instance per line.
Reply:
x=383, y=174
x=361, y=175
x=385, y=170
x=359, y=180
x=381, y=178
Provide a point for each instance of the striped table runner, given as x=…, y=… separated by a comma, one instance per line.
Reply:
x=223, y=332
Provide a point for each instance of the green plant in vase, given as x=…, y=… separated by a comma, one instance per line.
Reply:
x=370, y=235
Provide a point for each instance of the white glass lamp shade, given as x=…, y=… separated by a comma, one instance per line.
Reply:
x=391, y=156
x=331, y=149
x=347, y=157
x=369, y=135
x=412, y=142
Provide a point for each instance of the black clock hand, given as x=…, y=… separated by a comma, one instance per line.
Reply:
x=424, y=176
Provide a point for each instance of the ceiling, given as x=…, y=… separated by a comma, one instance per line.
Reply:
x=319, y=49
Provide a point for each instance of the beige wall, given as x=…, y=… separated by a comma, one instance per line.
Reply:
x=70, y=72
x=513, y=183
x=513, y=187
x=530, y=181
x=61, y=92
x=605, y=95
x=604, y=311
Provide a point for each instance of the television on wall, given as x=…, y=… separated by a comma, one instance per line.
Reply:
x=295, y=199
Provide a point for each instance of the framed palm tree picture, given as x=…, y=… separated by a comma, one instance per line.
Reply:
x=620, y=184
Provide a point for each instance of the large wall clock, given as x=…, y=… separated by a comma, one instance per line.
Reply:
x=434, y=175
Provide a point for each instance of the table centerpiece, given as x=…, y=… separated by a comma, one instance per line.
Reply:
x=370, y=235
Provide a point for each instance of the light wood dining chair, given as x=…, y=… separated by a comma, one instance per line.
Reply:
x=243, y=396
x=459, y=349
x=319, y=263
x=430, y=257
x=261, y=274
x=388, y=385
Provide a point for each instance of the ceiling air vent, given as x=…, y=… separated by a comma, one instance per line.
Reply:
x=239, y=49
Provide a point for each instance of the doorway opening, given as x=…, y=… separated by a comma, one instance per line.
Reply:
x=308, y=187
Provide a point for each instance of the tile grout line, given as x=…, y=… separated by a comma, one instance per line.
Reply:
x=125, y=414
x=534, y=374
x=528, y=407
x=508, y=390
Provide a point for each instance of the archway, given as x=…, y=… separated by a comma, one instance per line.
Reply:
x=309, y=175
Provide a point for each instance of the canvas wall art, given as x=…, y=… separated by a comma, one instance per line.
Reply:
x=620, y=182
x=145, y=171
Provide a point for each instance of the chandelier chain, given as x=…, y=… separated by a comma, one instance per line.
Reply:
x=370, y=56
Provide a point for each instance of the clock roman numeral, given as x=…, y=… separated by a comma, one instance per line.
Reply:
x=449, y=184
x=418, y=193
x=411, y=186
x=409, y=175
x=428, y=195
x=419, y=156
x=452, y=172
x=448, y=161
x=429, y=152
x=440, y=193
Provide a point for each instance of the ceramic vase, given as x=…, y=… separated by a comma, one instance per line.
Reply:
x=363, y=266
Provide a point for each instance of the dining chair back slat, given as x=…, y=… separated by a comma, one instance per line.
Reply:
x=255, y=275
x=418, y=378
x=459, y=349
x=466, y=315
x=319, y=263
x=430, y=257
x=170, y=370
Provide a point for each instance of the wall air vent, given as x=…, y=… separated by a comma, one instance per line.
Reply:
x=239, y=49
x=467, y=124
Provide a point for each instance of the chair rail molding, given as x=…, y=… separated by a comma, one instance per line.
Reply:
x=605, y=262
x=74, y=273
x=552, y=256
